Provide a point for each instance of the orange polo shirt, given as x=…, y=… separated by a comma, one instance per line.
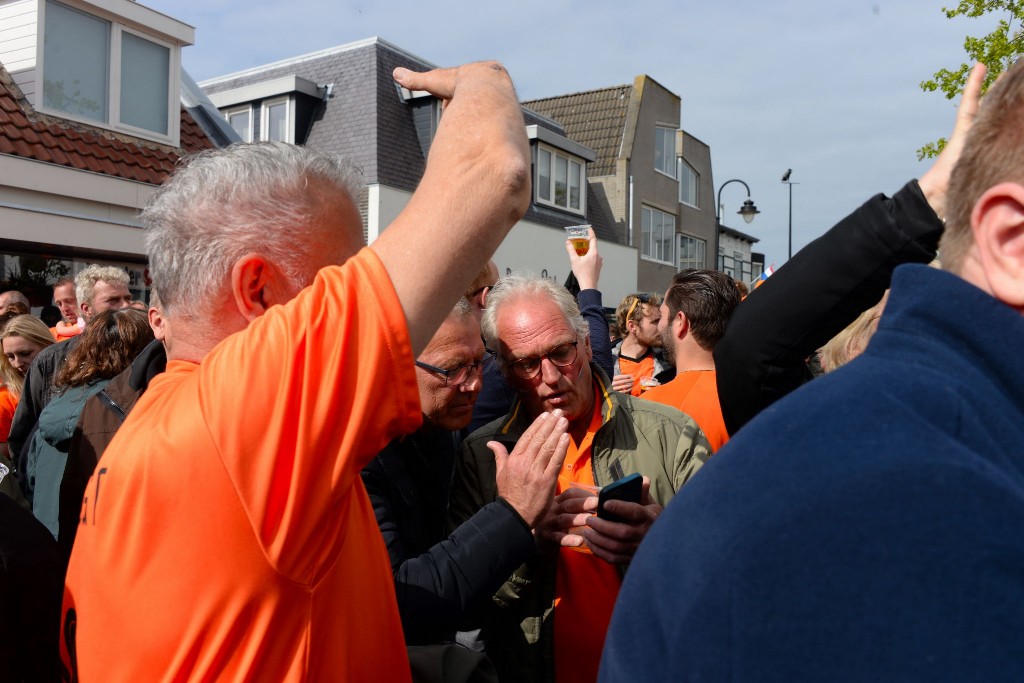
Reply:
x=226, y=534
x=585, y=586
x=695, y=392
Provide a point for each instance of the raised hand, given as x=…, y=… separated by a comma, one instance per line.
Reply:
x=526, y=477
x=935, y=181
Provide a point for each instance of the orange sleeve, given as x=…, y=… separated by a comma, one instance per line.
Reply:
x=8, y=404
x=320, y=385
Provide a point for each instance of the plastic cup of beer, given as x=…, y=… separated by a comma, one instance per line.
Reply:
x=648, y=383
x=579, y=235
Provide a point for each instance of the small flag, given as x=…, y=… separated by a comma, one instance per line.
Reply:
x=768, y=272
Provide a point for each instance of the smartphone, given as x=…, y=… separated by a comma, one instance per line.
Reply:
x=629, y=488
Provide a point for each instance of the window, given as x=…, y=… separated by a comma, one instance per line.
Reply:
x=691, y=252
x=241, y=121
x=275, y=123
x=561, y=180
x=102, y=72
x=658, y=236
x=688, y=181
x=665, y=151
x=726, y=264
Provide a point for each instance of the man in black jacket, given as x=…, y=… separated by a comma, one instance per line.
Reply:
x=441, y=580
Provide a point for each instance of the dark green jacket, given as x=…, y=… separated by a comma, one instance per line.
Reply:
x=636, y=436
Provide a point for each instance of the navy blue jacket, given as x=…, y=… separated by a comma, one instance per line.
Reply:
x=866, y=527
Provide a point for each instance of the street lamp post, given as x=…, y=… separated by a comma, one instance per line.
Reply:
x=748, y=210
x=787, y=181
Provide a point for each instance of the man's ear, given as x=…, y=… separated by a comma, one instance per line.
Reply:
x=157, y=323
x=680, y=325
x=253, y=285
x=997, y=221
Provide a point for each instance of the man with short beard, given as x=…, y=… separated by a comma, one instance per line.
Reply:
x=693, y=316
x=639, y=363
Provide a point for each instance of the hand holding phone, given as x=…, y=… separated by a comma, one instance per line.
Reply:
x=629, y=488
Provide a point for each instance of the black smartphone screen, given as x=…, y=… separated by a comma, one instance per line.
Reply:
x=628, y=488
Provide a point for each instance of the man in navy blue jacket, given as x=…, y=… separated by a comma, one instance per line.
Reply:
x=868, y=525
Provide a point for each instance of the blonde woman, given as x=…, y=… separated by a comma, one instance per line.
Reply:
x=21, y=338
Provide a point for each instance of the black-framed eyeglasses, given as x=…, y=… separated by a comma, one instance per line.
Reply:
x=562, y=355
x=459, y=374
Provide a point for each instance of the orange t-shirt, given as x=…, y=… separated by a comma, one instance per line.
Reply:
x=695, y=392
x=8, y=404
x=639, y=368
x=585, y=586
x=225, y=534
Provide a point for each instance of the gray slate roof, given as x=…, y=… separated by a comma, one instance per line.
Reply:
x=595, y=118
x=365, y=119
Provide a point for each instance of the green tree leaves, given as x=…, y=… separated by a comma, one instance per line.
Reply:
x=998, y=50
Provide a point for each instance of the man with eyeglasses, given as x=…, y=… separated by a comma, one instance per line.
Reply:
x=552, y=614
x=639, y=360
x=442, y=580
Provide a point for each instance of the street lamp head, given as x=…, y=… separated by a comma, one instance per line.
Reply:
x=748, y=211
x=785, y=176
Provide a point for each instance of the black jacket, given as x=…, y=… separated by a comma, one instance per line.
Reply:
x=100, y=419
x=441, y=581
x=816, y=294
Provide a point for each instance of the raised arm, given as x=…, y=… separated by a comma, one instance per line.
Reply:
x=475, y=187
x=830, y=282
x=587, y=269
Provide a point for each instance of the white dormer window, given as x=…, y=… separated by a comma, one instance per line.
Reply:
x=240, y=118
x=561, y=180
x=97, y=63
x=276, y=122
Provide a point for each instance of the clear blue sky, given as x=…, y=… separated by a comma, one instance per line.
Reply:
x=829, y=89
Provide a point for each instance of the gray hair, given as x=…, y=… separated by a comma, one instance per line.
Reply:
x=246, y=198
x=85, y=281
x=528, y=286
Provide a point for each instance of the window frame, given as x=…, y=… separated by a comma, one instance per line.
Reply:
x=646, y=252
x=686, y=169
x=700, y=245
x=245, y=108
x=113, y=94
x=289, y=120
x=571, y=161
x=670, y=140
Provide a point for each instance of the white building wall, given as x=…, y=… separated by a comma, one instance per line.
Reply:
x=18, y=36
x=49, y=204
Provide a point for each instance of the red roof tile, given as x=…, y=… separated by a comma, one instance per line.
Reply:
x=90, y=149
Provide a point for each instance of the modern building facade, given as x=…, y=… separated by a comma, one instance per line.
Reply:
x=652, y=180
x=344, y=100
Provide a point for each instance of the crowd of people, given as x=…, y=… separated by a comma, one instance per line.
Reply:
x=310, y=459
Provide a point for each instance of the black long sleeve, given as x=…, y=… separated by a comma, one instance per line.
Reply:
x=821, y=290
